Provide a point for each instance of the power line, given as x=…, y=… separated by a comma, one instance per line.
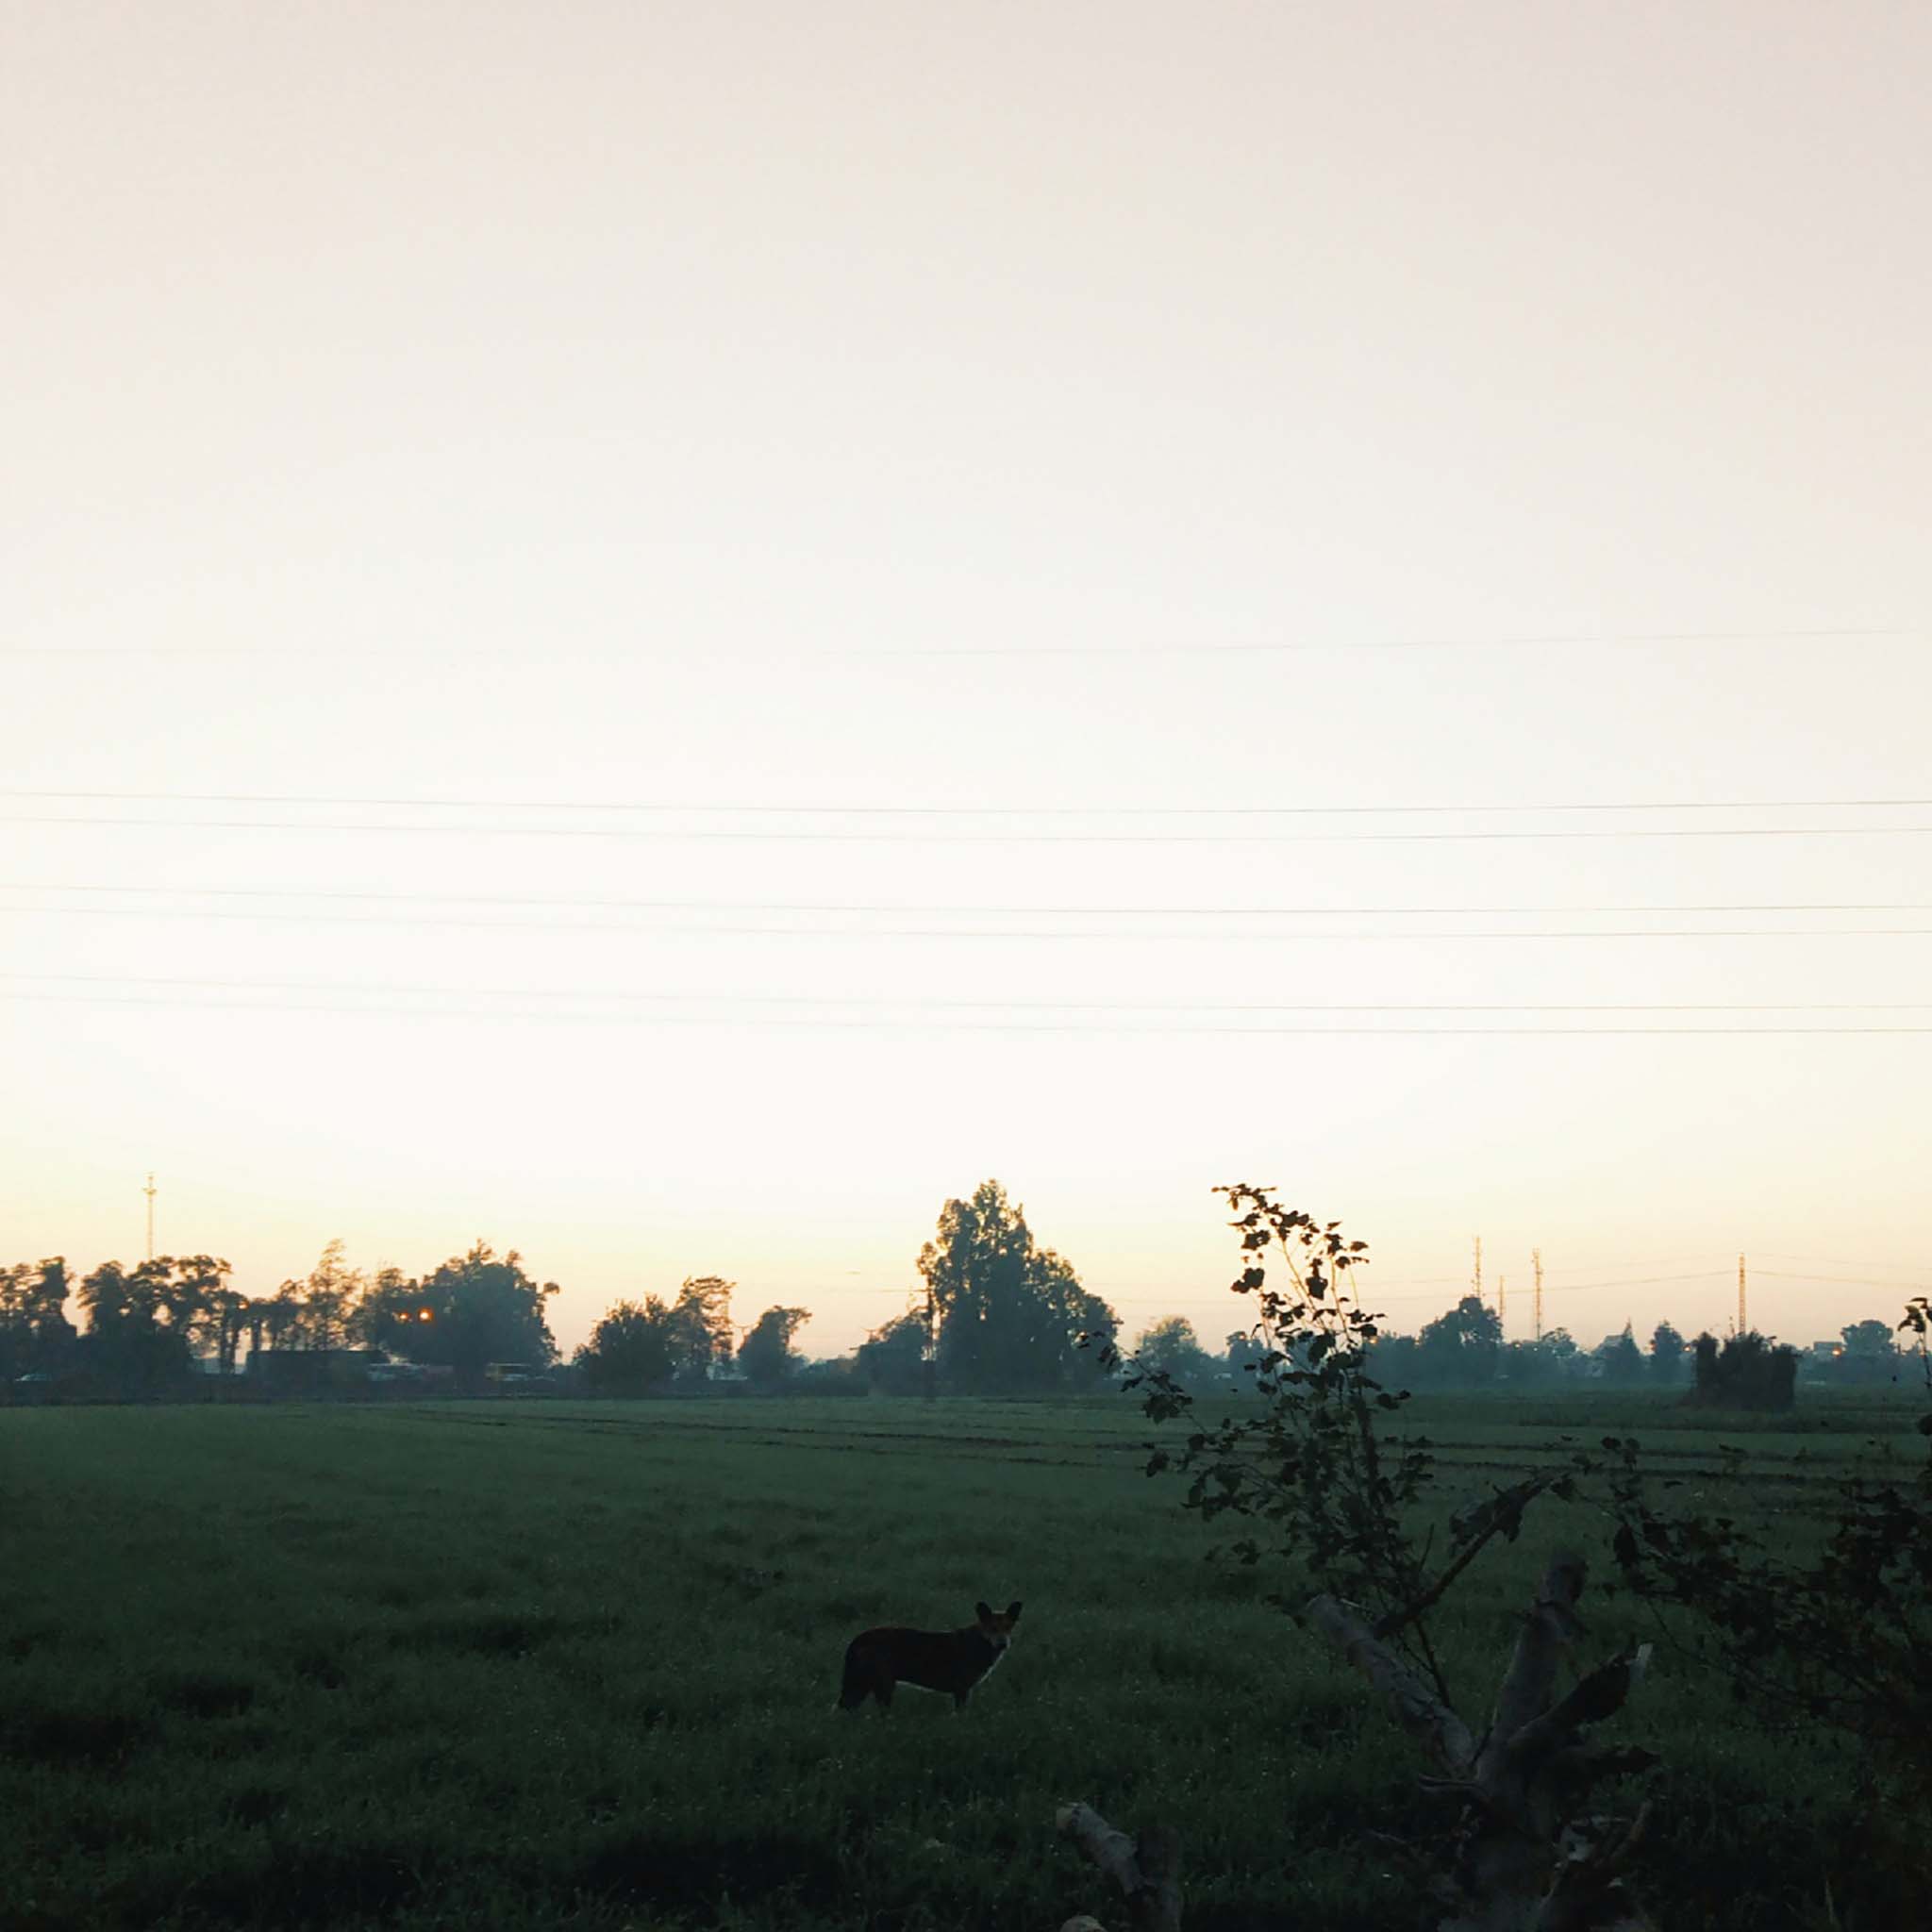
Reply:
x=829, y=1025
x=1844, y=1260
x=1634, y=1281
x=818, y=1001
x=591, y=805
x=1030, y=933
x=1844, y=1280
x=846, y=838
x=550, y=650
x=975, y=912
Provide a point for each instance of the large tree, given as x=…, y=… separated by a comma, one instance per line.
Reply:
x=892, y=1358
x=327, y=1300
x=629, y=1351
x=1666, y=1354
x=476, y=1310
x=1010, y=1314
x=1622, y=1360
x=701, y=1326
x=1172, y=1346
x=138, y=1325
x=766, y=1353
x=1465, y=1346
x=1748, y=1371
x=35, y=1333
x=1870, y=1355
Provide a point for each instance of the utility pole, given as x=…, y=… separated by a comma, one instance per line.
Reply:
x=1536, y=1261
x=1742, y=1327
x=149, y=1190
x=932, y=1344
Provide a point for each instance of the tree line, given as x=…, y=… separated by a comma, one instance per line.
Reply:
x=146, y=1328
x=1464, y=1348
x=995, y=1313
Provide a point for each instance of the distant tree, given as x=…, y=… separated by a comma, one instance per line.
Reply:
x=1622, y=1360
x=1244, y=1355
x=107, y=1298
x=329, y=1299
x=133, y=1341
x=1464, y=1347
x=892, y=1357
x=837, y=1376
x=35, y=1333
x=1666, y=1354
x=1172, y=1347
x=1869, y=1338
x=1085, y=1331
x=1396, y=1359
x=629, y=1351
x=701, y=1326
x=1560, y=1347
x=1011, y=1314
x=1870, y=1355
x=1748, y=1371
x=473, y=1310
x=766, y=1353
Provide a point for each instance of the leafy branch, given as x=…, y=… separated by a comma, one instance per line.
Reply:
x=1325, y=1485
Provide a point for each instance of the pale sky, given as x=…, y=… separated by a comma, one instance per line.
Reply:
x=1050, y=415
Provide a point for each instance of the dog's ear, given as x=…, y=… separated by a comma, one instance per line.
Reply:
x=983, y=1612
x=1012, y=1613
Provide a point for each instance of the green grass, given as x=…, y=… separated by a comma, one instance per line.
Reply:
x=553, y=1664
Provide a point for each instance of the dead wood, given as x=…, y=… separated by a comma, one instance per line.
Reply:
x=1519, y=1857
x=1548, y=1631
x=1148, y=1869
x=1411, y=1702
x=1514, y=1860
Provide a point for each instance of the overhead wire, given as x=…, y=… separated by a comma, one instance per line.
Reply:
x=552, y=649
x=929, y=1026
x=752, y=835
x=346, y=802
x=975, y=912
x=938, y=1003
x=1112, y=935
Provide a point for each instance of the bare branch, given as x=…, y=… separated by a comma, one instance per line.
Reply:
x=1499, y=1515
x=1599, y=1695
x=1417, y=1709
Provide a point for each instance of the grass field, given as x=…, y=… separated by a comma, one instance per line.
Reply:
x=552, y=1664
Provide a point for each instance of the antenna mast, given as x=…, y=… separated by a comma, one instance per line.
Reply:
x=1536, y=1261
x=1743, y=1327
x=149, y=1190
x=1478, y=1267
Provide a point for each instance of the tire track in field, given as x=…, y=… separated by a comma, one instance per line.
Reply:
x=1477, y=1458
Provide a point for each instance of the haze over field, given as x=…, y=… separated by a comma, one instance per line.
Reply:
x=670, y=635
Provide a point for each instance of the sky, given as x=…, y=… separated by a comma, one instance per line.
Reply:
x=664, y=635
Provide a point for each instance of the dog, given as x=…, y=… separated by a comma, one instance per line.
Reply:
x=952, y=1662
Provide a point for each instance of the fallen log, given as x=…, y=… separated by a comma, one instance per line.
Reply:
x=1148, y=1869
